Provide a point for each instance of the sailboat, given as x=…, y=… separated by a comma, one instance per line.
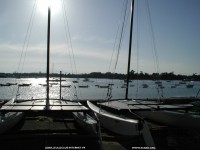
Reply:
x=113, y=114
x=15, y=109
x=117, y=121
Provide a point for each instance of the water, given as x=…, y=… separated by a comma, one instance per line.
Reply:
x=136, y=89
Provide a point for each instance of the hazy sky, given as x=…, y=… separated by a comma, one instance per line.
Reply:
x=93, y=27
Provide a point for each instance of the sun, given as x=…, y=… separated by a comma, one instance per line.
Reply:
x=42, y=6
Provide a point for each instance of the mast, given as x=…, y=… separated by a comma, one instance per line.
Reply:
x=60, y=84
x=48, y=56
x=130, y=46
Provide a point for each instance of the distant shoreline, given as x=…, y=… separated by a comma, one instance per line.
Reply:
x=109, y=75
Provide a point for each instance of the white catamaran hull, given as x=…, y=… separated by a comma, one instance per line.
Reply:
x=172, y=118
x=86, y=122
x=10, y=119
x=115, y=123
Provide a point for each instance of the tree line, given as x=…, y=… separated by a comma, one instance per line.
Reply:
x=108, y=75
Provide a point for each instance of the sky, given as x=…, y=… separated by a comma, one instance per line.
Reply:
x=166, y=36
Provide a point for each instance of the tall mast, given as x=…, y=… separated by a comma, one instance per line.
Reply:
x=48, y=55
x=130, y=46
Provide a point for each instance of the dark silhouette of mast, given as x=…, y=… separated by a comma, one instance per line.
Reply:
x=130, y=46
x=48, y=55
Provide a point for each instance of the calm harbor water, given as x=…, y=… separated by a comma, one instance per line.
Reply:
x=93, y=89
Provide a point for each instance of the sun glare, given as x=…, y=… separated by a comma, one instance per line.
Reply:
x=42, y=6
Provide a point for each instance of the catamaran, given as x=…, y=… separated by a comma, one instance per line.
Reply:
x=12, y=111
x=123, y=123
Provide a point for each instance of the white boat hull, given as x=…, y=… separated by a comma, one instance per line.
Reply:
x=115, y=123
x=9, y=121
x=172, y=118
x=86, y=122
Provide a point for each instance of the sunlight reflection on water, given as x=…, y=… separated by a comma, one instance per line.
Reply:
x=37, y=89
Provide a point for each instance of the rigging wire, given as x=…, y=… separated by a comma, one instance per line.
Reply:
x=117, y=46
x=70, y=47
x=25, y=45
x=27, y=37
x=69, y=35
x=156, y=60
x=153, y=37
x=121, y=36
x=66, y=35
x=138, y=46
x=116, y=37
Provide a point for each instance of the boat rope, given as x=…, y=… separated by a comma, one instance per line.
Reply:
x=141, y=120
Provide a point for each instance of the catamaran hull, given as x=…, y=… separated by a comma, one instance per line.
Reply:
x=86, y=122
x=115, y=123
x=9, y=121
x=172, y=118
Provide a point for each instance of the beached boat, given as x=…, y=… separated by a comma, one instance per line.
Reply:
x=173, y=118
x=48, y=104
x=9, y=119
x=122, y=124
x=184, y=117
x=114, y=122
x=87, y=122
x=168, y=114
x=117, y=121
